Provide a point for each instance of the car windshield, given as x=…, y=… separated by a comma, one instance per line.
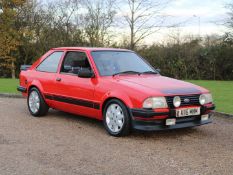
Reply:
x=120, y=62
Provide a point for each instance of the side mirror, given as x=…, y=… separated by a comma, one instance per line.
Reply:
x=85, y=73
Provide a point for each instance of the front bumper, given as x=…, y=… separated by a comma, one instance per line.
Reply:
x=148, y=120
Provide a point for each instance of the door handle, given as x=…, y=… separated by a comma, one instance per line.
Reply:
x=58, y=79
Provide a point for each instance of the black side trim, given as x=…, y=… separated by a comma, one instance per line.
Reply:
x=22, y=89
x=49, y=97
x=74, y=101
x=146, y=113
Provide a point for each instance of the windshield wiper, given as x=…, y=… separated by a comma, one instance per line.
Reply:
x=148, y=72
x=126, y=72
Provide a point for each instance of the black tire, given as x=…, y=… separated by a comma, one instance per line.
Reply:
x=125, y=130
x=43, y=108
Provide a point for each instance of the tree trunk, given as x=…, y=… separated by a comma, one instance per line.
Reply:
x=132, y=28
x=132, y=38
x=13, y=70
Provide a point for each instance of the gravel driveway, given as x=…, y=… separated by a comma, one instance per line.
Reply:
x=61, y=143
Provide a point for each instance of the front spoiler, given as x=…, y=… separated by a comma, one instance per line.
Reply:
x=160, y=125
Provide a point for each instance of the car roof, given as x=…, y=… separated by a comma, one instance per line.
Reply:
x=90, y=49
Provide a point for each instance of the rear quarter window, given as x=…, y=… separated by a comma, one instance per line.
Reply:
x=50, y=64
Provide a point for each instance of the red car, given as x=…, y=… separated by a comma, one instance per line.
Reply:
x=113, y=85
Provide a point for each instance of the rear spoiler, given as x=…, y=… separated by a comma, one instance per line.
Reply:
x=25, y=67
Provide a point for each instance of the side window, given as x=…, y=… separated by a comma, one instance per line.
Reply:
x=74, y=61
x=50, y=64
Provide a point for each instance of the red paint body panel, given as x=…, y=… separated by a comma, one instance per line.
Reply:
x=131, y=89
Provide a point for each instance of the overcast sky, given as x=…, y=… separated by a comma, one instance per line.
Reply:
x=210, y=13
x=197, y=16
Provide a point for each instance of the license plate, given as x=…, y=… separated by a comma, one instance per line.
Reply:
x=187, y=112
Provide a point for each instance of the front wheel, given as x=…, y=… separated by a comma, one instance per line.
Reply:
x=116, y=118
x=36, y=104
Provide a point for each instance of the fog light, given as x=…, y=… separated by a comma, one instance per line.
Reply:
x=176, y=101
x=204, y=117
x=170, y=122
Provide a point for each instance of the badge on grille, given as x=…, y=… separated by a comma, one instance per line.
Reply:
x=186, y=100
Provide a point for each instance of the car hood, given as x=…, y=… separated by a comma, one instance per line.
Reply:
x=164, y=85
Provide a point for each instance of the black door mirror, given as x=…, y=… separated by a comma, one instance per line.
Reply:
x=85, y=73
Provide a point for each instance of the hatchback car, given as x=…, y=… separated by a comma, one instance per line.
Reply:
x=113, y=85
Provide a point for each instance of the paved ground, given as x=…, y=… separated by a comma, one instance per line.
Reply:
x=61, y=143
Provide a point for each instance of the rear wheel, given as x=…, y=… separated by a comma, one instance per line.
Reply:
x=116, y=118
x=36, y=104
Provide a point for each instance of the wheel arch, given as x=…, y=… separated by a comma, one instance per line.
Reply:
x=37, y=85
x=32, y=86
x=126, y=102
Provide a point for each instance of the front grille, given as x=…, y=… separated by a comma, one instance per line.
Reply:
x=193, y=100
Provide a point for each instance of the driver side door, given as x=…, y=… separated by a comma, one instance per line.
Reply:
x=75, y=94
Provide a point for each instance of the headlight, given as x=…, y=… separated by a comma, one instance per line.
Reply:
x=155, y=102
x=205, y=98
x=176, y=101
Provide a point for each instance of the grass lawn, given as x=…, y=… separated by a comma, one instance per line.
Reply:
x=8, y=85
x=222, y=91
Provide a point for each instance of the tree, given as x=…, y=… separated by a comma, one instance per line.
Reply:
x=143, y=18
x=9, y=38
x=229, y=21
x=98, y=20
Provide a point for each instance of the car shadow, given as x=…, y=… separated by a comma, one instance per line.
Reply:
x=165, y=133
x=75, y=118
x=135, y=134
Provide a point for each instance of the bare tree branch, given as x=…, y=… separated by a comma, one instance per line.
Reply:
x=143, y=18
